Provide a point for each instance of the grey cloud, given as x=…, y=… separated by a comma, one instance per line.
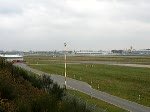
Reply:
x=10, y=7
x=11, y=10
x=47, y=24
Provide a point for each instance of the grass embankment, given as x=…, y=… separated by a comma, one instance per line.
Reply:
x=16, y=93
x=23, y=92
x=125, y=82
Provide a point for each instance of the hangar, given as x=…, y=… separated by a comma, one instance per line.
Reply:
x=13, y=58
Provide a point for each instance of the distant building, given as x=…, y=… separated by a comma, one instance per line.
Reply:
x=132, y=51
x=142, y=51
x=1, y=51
x=13, y=58
x=90, y=52
x=117, y=51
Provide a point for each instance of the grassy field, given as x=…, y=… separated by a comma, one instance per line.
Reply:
x=125, y=82
x=99, y=104
x=123, y=59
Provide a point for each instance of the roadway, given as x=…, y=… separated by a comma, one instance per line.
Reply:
x=87, y=89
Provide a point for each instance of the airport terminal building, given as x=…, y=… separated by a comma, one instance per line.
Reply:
x=13, y=58
x=142, y=51
x=88, y=52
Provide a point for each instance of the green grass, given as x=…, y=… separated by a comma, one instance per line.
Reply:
x=125, y=82
x=99, y=104
x=123, y=59
x=33, y=74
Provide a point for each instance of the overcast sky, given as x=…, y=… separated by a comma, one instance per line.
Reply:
x=82, y=24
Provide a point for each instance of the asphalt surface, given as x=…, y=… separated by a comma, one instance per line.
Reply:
x=134, y=65
x=86, y=88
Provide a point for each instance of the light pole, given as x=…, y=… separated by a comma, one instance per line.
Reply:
x=65, y=66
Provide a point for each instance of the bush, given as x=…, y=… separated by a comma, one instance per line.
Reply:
x=7, y=92
x=16, y=72
x=52, y=88
x=56, y=91
x=1, y=108
x=46, y=81
x=74, y=106
x=23, y=107
x=2, y=62
x=44, y=103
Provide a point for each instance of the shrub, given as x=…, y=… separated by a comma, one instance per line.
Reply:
x=46, y=81
x=23, y=107
x=44, y=103
x=2, y=62
x=52, y=88
x=56, y=91
x=1, y=108
x=7, y=91
x=74, y=106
